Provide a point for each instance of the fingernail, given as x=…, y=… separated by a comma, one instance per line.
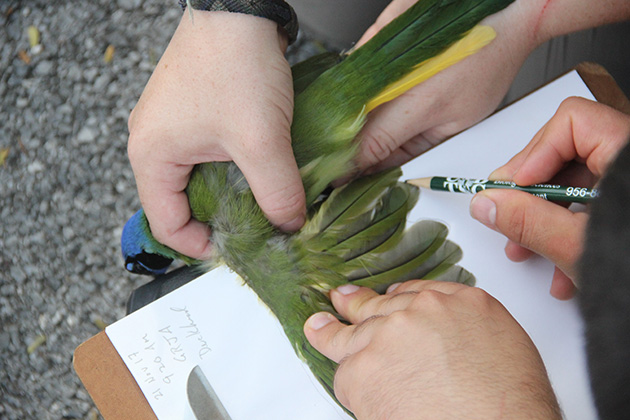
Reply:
x=294, y=224
x=319, y=320
x=392, y=287
x=501, y=173
x=494, y=174
x=484, y=210
x=346, y=289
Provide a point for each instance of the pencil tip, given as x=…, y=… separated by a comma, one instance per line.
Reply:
x=420, y=182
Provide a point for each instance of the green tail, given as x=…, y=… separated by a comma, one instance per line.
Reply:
x=330, y=109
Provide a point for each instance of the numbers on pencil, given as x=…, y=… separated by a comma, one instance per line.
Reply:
x=580, y=192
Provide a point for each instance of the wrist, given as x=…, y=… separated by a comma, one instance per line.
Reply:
x=277, y=11
x=553, y=18
x=230, y=31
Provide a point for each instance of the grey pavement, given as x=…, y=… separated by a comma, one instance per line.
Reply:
x=66, y=187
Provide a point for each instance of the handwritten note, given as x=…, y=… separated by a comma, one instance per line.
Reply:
x=220, y=325
x=217, y=323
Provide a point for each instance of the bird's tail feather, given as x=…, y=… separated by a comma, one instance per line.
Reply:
x=476, y=39
x=417, y=37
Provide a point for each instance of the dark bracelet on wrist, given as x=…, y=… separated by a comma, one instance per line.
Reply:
x=277, y=10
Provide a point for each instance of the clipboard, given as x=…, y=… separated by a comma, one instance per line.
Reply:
x=111, y=385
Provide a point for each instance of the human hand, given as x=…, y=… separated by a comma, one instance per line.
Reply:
x=222, y=91
x=433, y=350
x=582, y=132
x=452, y=100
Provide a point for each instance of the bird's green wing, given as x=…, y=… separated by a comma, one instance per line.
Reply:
x=360, y=228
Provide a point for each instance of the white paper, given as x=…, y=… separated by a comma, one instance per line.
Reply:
x=523, y=288
x=217, y=323
x=220, y=325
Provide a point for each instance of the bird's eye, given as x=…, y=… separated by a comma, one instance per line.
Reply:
x=145, y=263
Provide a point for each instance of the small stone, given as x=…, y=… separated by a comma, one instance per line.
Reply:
x=100, y=277
x=35, y=166
x=44, y=68
x=5, y=341
x=36, y=49
x=129, y=4
x=86, y=135
x=89, y=44
x=21, y=102
x=101, y=82
x=68, y=232
x=74, y=73
x=90, y=74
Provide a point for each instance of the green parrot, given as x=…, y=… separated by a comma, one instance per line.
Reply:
x=355, y=233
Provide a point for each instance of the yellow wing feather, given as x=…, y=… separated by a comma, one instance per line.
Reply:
x=476, y=39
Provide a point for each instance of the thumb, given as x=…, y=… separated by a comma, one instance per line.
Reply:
x=328, y=335
x=273, y=176
x=541, y=226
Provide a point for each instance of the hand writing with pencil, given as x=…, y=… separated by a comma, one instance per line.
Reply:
x=575, y=147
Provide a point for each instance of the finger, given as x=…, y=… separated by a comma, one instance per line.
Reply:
x=392, y=125
x=356, y=304
x=334, y=339
x=445, y=287
x=187, y=236
x=581, y=129
x=562, y=287
x=407, y=151
x=543, y=227
x=516, y=252
x=272, y=173
x=161, y=189
x=388, y=127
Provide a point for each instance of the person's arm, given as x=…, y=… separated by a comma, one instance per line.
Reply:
x=465, y=93
x=431, y=350
x=221, y=91
x=581, y=131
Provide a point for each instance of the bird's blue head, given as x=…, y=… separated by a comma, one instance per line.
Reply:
x=140, y=249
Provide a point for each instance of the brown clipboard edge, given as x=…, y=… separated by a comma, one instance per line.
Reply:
x=112, y=387
x=603, y=86
x=108, y=381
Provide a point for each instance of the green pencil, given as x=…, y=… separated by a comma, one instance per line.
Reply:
x=473, y=186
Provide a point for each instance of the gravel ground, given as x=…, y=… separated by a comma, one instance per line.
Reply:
x=66, y=186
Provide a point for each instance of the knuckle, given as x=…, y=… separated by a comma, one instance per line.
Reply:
x=520, y=225
x=163, y=234
x=365, y=307
x=369, y=322
x=399, y=321
x=477, y=295
x=284, y=202
x=378, y=145
x=570, y=103
x=409, y=285
x=428, y=298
